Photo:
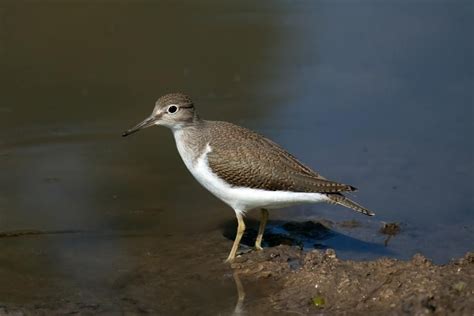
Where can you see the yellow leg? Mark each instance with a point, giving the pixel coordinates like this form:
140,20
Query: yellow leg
261,229
240,232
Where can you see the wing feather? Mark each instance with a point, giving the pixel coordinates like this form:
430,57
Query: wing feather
246,159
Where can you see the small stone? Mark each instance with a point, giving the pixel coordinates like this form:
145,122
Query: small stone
419,259
330,253
319,301
460,286
266,274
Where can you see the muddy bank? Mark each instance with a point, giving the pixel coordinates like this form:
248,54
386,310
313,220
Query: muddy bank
317,281
126,273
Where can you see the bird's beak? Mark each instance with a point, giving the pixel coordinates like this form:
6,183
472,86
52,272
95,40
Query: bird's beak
146,123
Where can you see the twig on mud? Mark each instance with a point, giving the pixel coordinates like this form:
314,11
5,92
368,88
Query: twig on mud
32,232
389,229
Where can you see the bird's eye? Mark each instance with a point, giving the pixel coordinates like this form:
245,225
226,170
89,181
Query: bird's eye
172,109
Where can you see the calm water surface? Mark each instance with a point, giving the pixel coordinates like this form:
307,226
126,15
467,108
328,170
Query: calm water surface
378,95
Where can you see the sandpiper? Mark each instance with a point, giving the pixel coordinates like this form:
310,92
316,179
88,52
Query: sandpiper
242,168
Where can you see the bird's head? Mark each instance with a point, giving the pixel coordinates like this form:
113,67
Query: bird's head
173,110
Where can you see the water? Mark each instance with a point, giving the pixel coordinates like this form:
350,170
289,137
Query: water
378,95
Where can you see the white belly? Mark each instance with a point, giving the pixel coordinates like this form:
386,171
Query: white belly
239,198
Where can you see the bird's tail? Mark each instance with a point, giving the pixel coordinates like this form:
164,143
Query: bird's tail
342,200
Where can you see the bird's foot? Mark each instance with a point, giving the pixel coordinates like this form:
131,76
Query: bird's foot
244,249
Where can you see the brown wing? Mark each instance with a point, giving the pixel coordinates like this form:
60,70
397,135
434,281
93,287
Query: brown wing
246,159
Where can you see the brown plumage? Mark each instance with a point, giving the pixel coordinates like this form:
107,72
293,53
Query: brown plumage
237,156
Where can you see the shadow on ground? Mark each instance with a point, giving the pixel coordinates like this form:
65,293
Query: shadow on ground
306,235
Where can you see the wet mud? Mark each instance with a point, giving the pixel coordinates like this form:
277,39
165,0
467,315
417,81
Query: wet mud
317,281
293,275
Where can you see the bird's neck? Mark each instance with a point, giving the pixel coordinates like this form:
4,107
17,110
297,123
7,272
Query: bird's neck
187,125
191,139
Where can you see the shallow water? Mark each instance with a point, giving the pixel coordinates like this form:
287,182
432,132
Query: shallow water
378,95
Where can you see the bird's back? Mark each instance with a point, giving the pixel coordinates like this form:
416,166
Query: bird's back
244,158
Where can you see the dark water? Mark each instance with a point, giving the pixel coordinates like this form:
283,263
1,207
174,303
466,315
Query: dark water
375,94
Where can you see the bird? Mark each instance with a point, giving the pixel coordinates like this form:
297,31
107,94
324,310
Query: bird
242,168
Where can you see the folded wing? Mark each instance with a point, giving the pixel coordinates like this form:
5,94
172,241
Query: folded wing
247,159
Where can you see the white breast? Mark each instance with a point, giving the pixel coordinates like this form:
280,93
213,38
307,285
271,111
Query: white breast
239,198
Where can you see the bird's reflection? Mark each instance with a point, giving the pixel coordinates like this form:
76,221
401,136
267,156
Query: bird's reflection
239,306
